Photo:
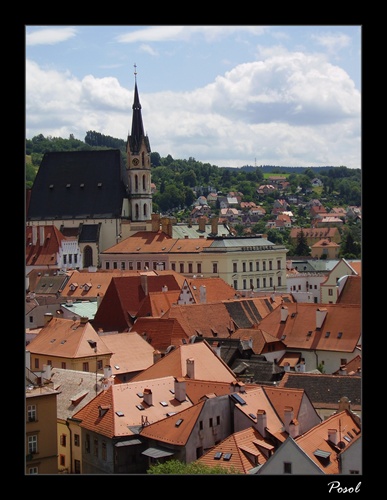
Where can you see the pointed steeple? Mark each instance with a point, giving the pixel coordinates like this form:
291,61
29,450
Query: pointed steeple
137,134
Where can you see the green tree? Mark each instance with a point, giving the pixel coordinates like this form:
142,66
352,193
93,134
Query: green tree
302,247
177,467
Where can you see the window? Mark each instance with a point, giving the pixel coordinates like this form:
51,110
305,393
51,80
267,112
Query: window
173,266
181,267
279,281
244,284
330,292
122,266
271,282
131,266
62,460
138,266
251,266
115,266
264,282
218,420
96,447
85,366
36,362
104,451
107,265
343,361
235,284
87,443
190,268
264,265
258,283
31,319
63,440
77,466
63,365
77,440
287,468
270,265
32,444
215,267
199,266
235,267
244,267
99,364
257,266
31,413
278,264
201,425
49,362
211,422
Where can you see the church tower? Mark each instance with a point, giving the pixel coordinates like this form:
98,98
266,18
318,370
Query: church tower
138,165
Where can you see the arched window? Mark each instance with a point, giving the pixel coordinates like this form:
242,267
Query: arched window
143,183
136,182
87,256
145,210
137,211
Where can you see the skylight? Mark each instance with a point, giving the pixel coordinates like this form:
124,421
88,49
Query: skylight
163,403
178,422
119,414
238,399
218,455
140,407
227,456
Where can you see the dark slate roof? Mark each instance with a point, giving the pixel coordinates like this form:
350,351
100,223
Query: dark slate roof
89,233
324,389
78,185
258,370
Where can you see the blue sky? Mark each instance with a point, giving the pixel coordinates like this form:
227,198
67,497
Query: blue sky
225,95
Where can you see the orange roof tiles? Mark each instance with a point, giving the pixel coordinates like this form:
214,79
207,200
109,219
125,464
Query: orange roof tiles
340,331
67,338
341,425
206,365
126,410
43,248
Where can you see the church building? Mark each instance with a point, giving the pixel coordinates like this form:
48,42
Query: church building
92,195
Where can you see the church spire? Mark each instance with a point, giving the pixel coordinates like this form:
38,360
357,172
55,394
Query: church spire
137,126
138,164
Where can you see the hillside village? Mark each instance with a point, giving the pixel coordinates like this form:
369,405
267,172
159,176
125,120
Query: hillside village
149,340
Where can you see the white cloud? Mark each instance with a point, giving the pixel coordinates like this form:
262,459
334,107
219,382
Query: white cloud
286,109
50,36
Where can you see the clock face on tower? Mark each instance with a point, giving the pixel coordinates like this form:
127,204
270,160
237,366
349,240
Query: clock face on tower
135,162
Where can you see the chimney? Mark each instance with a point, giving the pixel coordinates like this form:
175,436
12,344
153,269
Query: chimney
344,404
333,436
83,320
214,225
47,318
261,422
156,356
164,225
203,294
155,222
107,371
288,417
41,235
202,224
320,316
191,368
46,372
294,428
144,283
180,393
216,348
284,314
164,288
34,235
148,397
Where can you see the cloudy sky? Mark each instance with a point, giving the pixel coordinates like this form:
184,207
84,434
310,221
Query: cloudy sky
224,95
